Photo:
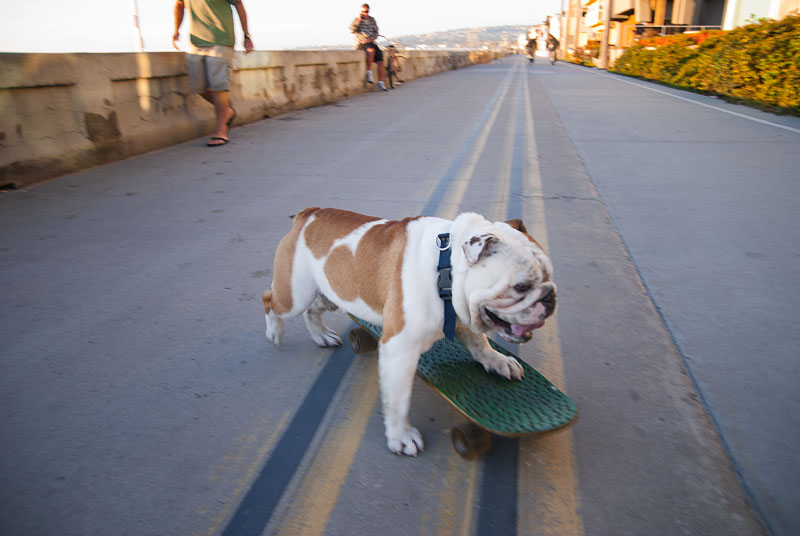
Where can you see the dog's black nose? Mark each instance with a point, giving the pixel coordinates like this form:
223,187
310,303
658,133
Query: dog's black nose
549,302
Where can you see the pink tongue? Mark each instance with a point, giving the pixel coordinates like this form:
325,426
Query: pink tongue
521,329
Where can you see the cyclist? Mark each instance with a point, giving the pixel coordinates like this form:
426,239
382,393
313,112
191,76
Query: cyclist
552,46
530,48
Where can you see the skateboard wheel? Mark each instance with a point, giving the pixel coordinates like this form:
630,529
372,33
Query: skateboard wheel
470,441
361,341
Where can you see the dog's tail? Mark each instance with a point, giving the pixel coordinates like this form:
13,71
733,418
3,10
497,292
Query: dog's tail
266,297
304,214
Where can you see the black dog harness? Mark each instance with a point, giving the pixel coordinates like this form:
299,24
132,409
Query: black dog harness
445,284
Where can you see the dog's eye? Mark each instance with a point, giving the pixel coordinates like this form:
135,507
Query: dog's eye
522,288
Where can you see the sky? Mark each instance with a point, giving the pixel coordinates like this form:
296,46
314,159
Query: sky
107,25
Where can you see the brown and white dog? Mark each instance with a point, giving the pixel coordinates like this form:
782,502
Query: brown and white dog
385,272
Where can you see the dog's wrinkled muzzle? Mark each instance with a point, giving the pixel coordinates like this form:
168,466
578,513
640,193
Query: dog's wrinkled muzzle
516,322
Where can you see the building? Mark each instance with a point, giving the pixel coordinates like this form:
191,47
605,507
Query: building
628,20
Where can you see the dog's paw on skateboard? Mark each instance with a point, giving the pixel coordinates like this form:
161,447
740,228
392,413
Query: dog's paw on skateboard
408,442
507,367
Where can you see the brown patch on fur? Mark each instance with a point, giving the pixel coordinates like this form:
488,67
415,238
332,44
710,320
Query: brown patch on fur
329,225
520,226
373,273
280,299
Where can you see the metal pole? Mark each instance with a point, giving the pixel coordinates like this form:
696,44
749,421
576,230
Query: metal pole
564,28
137,27
607,6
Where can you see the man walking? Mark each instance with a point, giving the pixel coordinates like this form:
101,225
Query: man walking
365,29
210,54
552,47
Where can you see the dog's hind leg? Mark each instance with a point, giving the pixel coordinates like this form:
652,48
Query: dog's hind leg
320,333
274,322
282,300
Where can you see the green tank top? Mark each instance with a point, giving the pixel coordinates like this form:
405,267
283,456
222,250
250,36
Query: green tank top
211,22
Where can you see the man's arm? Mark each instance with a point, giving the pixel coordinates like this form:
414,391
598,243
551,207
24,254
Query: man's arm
178,20
248,43
372,30
356,27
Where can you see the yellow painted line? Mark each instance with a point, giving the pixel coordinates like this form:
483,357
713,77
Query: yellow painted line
451,202
456,499
450,504
499,208
454,512
321,486
234,459
319,491
440,170
547,482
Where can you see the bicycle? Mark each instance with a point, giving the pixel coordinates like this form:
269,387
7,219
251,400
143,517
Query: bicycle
394,65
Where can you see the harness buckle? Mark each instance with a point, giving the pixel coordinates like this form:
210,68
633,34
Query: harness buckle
445,282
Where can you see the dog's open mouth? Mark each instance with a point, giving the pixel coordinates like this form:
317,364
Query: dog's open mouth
509,331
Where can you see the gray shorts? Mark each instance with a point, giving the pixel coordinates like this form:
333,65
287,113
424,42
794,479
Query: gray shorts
208,68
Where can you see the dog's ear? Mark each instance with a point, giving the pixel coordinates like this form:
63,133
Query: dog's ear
518,225
478,247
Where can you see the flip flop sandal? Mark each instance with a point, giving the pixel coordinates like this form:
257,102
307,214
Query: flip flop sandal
223,140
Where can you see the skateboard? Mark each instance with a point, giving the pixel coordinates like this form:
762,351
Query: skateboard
492,404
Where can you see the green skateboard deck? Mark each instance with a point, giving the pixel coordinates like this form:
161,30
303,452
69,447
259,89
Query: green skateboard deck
500,406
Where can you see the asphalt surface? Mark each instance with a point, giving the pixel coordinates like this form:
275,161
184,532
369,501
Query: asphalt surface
139,396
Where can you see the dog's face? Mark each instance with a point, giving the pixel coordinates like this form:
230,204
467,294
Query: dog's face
508,282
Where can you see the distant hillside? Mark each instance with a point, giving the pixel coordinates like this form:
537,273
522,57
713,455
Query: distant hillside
465,37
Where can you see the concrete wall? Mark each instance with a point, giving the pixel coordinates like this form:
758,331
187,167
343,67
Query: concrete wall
64,112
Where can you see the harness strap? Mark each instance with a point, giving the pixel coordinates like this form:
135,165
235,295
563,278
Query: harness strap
445,284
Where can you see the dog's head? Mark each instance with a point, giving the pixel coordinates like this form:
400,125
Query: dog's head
503,277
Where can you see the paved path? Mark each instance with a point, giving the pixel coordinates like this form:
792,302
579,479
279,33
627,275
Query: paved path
138,395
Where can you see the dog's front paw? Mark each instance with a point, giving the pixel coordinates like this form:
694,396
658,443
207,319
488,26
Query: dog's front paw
507,367
408,442
327,338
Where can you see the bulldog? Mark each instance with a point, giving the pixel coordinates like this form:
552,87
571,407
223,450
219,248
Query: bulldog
386,272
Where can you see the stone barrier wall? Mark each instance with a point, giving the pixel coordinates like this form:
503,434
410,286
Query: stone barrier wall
61,113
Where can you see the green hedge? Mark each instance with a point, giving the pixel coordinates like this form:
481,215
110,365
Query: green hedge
758,63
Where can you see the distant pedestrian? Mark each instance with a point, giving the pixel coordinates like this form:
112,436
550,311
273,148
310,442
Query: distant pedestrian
394,66
552,47
210,54
365,29
530,48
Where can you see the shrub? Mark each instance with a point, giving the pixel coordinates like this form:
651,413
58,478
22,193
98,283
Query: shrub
758,63
694,38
